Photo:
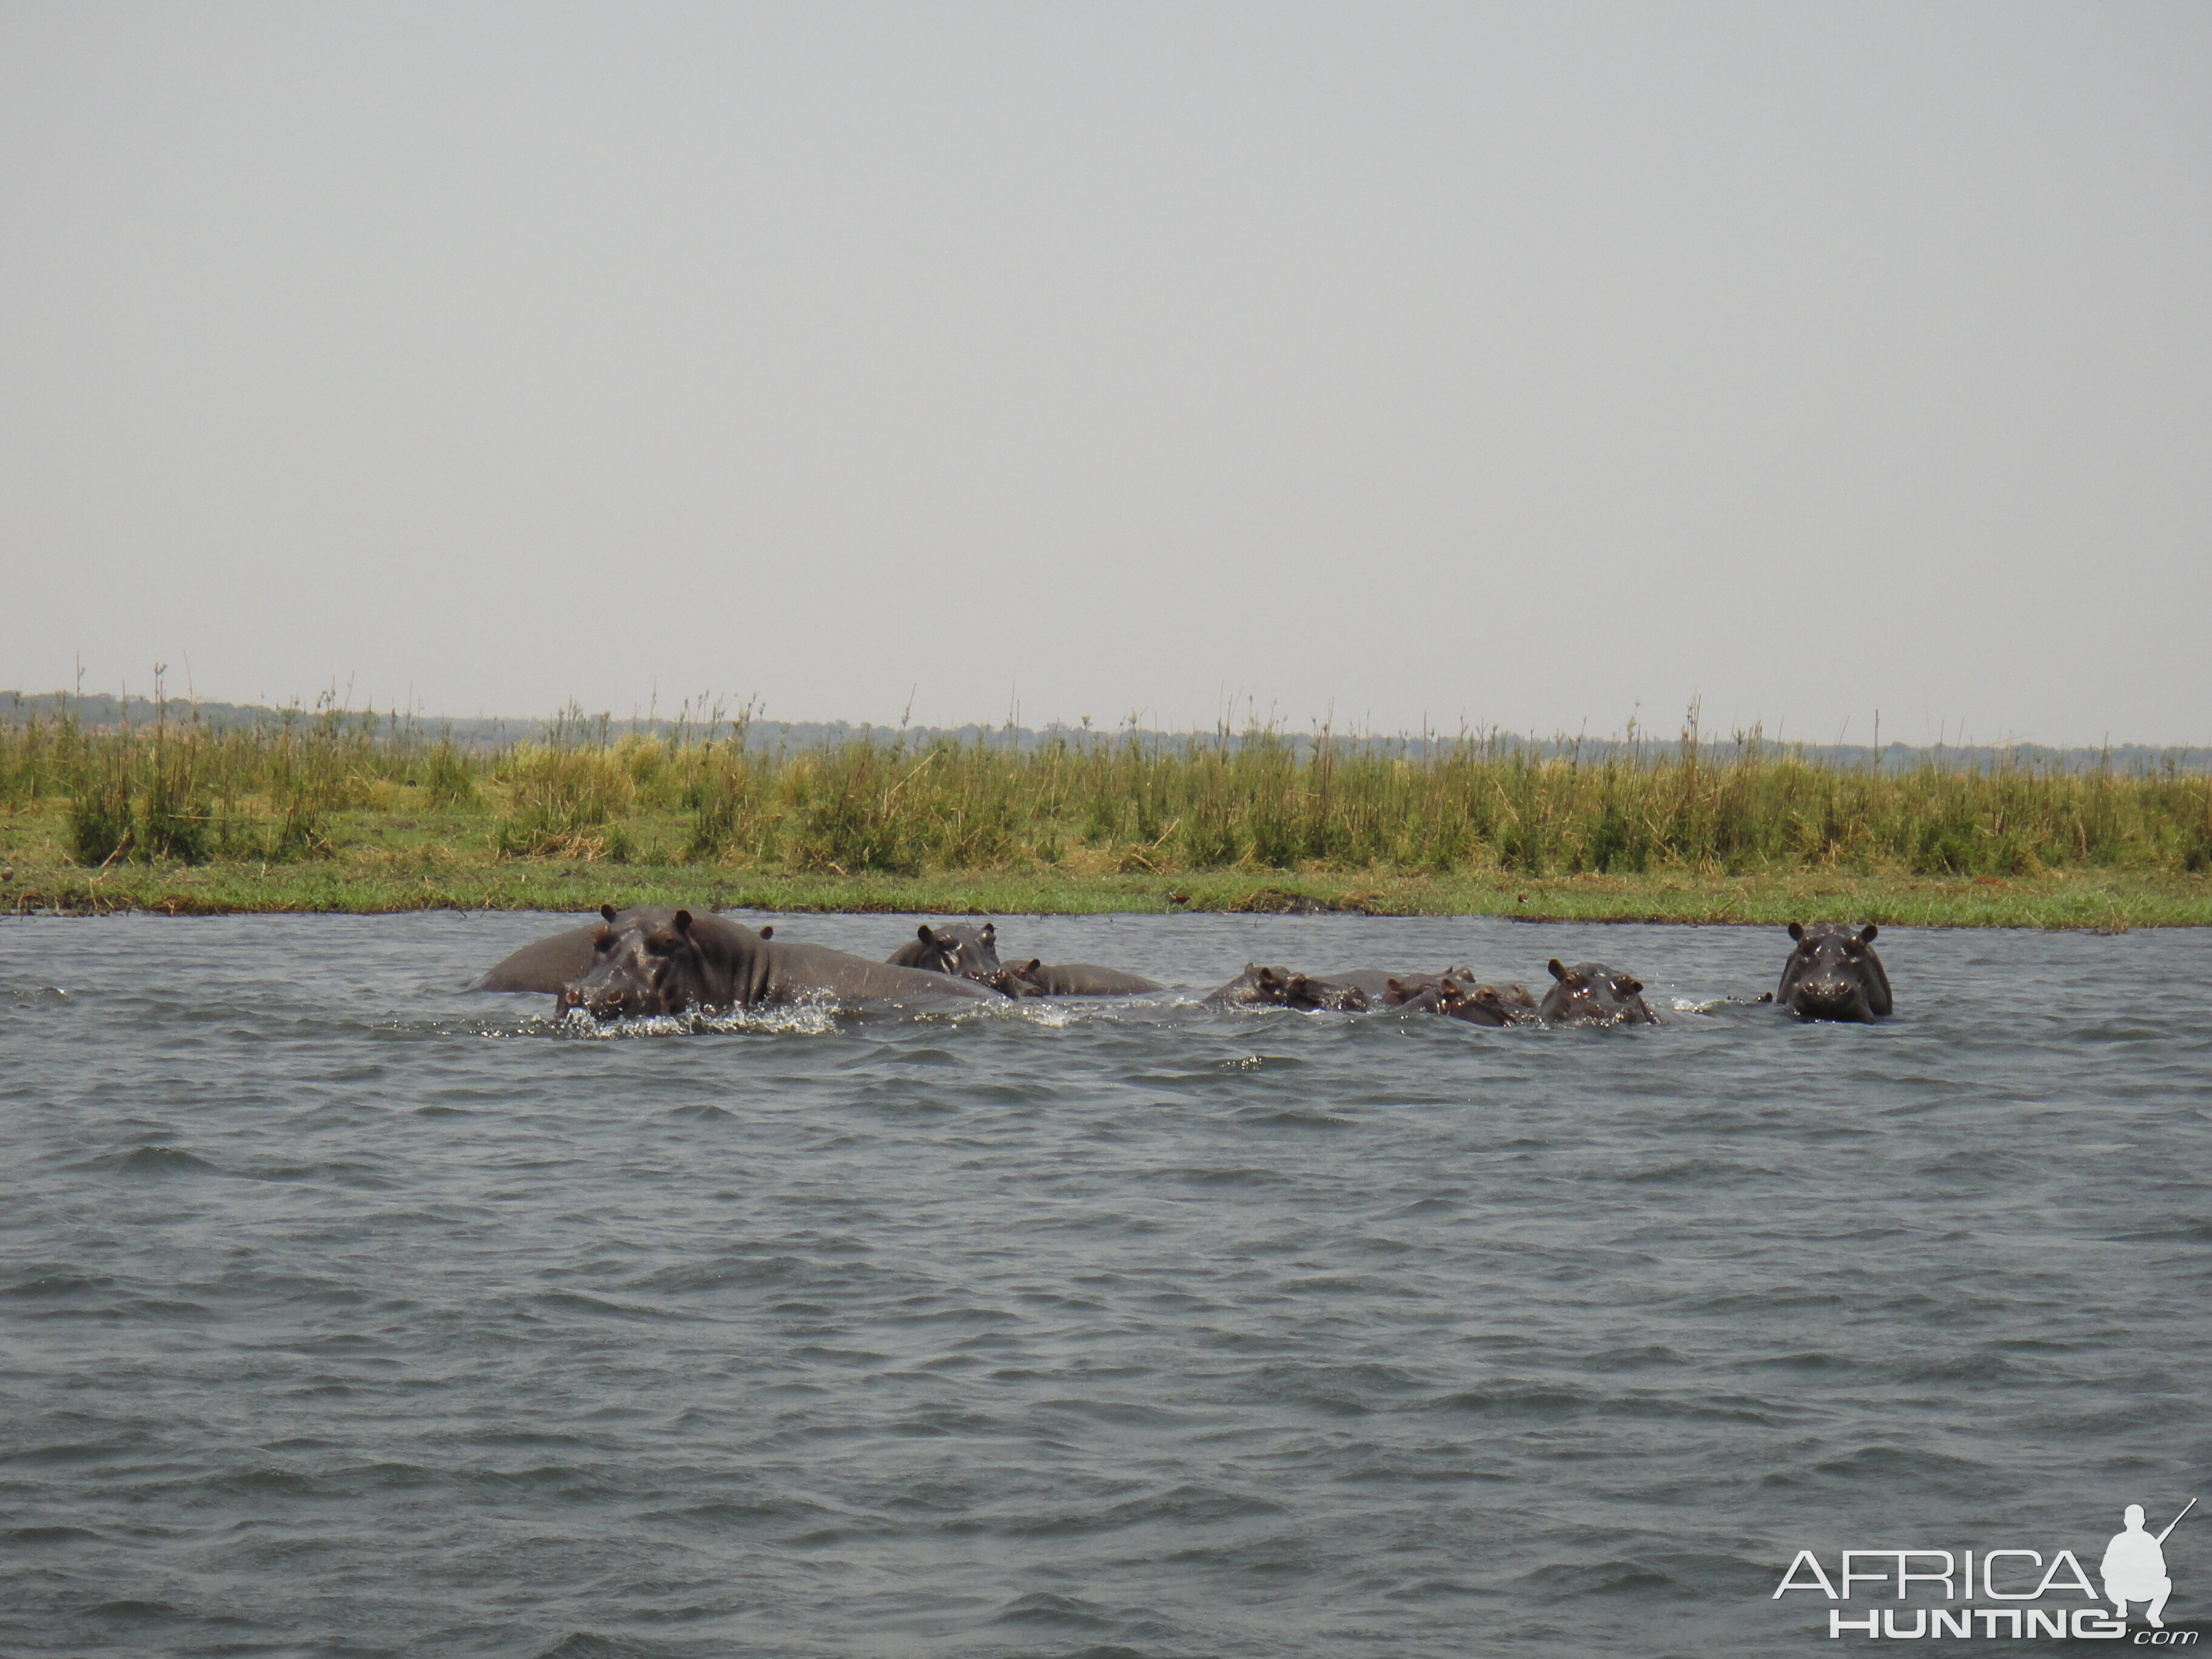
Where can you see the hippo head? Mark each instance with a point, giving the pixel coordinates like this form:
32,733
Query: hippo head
961,951
618,985
1310,991
1258,986
1434,994
1591,993
1833,974
1454,995
1422,994
1485,1005
643,962
681,977
1020,979
1263,986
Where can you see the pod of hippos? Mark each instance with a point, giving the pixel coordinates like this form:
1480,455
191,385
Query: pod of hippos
655,959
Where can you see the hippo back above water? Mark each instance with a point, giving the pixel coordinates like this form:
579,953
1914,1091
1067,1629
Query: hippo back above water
550,963
710,962
1039,978
655,959
1833,974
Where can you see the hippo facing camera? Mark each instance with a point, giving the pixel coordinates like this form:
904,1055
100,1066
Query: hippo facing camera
1834,974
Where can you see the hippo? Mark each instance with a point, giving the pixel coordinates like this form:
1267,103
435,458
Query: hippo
1591,993
1262,987
1010,981
1833,974
1257,987
1425,992
1377,983
958,949
1490,1005
1478,1005
651,961
1332,991
1074,979
550,964
1400,990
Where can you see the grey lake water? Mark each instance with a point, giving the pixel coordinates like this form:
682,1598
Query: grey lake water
344,1312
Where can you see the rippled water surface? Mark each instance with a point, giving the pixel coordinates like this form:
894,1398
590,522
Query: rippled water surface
344,1312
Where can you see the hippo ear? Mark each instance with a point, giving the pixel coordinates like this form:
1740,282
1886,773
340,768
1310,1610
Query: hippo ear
1867,933
608,911
683,921
1797,931
990,930
1034,963
923,934
769,931
1557,968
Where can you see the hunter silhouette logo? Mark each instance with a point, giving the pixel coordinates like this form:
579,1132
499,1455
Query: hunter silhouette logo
2133,1567
2024,1593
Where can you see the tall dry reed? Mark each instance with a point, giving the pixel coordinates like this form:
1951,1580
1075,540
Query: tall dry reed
884,802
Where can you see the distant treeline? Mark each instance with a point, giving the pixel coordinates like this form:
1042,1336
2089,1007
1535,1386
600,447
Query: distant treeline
707,722
290,784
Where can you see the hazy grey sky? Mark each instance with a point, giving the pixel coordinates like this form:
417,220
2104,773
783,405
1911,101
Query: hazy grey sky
1517,364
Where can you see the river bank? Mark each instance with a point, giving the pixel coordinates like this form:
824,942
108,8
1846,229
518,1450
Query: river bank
373,880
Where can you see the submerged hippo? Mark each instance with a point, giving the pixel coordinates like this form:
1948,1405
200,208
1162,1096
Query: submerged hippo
652,960
1495,1005
1038,978
1263,986
1419,991
1833,974
958,948
1403,990
1455,999
1591,993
